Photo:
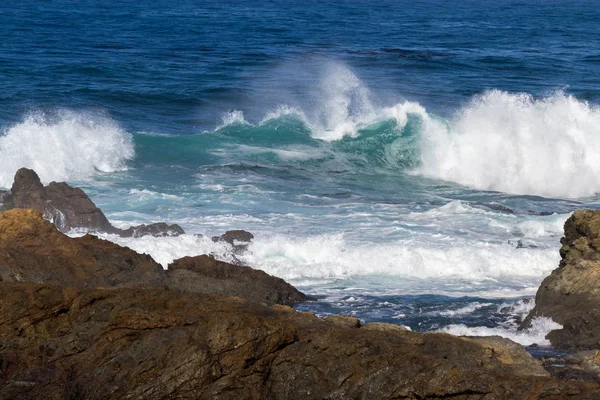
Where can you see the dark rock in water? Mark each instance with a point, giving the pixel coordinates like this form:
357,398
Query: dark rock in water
571,294
494,207
520,245
60,343
157,230
33,250
204,274
70,208
239,239
582,366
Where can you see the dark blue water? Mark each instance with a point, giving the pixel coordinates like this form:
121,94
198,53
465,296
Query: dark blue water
381,152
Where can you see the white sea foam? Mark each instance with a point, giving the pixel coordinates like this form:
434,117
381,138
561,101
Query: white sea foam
517,144
167,249
65,146
328,256
540,327
235,117
323,257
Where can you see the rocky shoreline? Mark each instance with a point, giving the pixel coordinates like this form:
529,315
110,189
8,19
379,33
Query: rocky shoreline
86,318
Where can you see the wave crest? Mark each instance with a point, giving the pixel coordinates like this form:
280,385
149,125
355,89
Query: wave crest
64,146
516,144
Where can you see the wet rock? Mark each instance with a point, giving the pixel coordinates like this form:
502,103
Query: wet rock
239,239
159,229
582,366
33,250
204,274
62,343
70,208
571,294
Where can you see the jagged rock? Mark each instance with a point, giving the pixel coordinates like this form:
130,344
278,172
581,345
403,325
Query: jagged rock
60,343
239,239
33,250
70,208
571,294
204,274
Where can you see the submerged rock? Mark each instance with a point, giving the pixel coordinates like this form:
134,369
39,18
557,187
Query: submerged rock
571,294
70,208
159,229
204,274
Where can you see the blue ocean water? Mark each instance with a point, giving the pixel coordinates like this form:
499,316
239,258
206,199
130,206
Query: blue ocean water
409,162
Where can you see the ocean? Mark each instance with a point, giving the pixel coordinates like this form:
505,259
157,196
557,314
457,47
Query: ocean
411,162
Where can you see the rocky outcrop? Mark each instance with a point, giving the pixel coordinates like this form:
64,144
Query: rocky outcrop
204,274
33,250
70,208
86,319
62,343
571,294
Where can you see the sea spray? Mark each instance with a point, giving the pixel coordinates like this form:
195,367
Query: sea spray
64,146
515,143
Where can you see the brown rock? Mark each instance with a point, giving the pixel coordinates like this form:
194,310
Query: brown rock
33,250
571,294
154,344
344,321
70,208
204,274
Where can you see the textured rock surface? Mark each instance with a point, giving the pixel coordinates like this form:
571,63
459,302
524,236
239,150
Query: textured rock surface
69,208
62,338
581,366
204,274
571,294
33,250
59,343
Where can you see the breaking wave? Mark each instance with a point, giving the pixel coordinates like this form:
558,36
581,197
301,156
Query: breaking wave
64,146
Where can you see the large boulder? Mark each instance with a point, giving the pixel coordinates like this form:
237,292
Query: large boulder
59,343
205,274
571,294
70,208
